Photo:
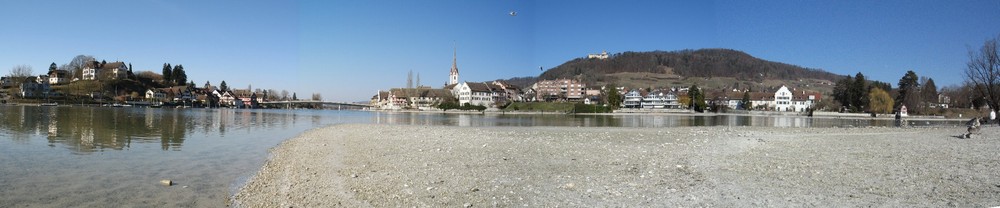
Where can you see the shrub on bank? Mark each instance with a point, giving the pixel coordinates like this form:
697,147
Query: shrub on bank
540,106
449,105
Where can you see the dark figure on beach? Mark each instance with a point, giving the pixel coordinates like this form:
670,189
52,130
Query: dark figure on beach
973,127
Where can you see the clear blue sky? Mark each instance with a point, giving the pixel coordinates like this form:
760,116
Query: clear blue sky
347,50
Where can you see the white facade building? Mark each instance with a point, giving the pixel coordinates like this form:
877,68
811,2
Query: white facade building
602,55
660,100
633,99
58,77
783,99
89,73
116,70
481,94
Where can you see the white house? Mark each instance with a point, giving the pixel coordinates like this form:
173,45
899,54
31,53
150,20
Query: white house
783,99
58,77
156,95
660,100
89,73
633,99
482,94
513,92
116,70
226,98
786,100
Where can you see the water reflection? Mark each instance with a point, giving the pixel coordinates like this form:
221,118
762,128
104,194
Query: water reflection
86,129
633,120
89,129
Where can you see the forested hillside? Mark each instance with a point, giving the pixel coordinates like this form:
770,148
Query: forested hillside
686,63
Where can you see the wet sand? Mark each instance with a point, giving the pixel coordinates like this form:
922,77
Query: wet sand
364,165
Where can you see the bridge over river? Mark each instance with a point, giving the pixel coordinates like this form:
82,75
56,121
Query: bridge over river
331,104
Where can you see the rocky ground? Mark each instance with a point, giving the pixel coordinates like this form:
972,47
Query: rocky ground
362,165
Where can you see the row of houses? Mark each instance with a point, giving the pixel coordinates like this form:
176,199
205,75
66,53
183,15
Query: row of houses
208,97
782,99
40,85
35,87
30,87
423,98
497,93
489,94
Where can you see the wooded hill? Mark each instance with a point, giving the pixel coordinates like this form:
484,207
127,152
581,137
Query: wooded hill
687,63
714,65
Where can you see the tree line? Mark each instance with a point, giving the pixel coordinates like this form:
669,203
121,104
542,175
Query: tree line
858,94
918,94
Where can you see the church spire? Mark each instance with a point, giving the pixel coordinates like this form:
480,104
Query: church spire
453,76
454,62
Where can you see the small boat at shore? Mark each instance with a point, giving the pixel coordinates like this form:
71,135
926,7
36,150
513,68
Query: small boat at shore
49,104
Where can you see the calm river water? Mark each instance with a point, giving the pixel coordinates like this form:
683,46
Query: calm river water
99,157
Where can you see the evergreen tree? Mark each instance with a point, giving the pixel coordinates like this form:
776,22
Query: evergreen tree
614,99
53,67
908,91
693,94
167,78
929,91
841,91
859,92
294,96
881,85
223,87
178,75
745,102
697,98
208,84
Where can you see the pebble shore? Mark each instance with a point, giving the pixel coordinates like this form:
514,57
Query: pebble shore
368,165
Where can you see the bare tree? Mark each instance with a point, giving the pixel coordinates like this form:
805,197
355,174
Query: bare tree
317,97
19,75
984,72
20,71
273,94
76,65
284,94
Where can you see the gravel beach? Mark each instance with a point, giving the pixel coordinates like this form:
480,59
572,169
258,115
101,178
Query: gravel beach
367,165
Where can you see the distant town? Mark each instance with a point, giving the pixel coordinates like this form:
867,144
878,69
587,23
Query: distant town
852,94
87,81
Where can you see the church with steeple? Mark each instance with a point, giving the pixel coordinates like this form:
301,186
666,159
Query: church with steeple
453,76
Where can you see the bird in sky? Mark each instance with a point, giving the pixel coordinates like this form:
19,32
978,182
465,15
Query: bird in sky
513,13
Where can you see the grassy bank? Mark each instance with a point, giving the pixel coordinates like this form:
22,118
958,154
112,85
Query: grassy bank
557,107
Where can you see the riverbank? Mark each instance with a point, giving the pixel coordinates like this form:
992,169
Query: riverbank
363,165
